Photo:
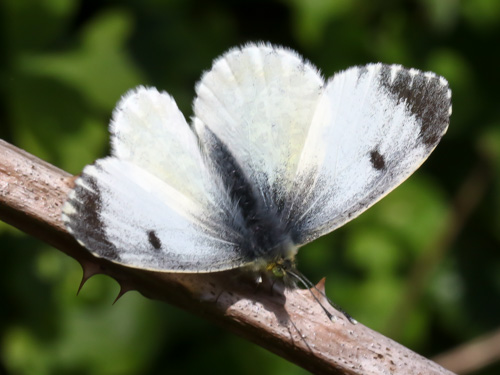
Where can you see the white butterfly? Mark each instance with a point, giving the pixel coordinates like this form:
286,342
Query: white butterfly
274,158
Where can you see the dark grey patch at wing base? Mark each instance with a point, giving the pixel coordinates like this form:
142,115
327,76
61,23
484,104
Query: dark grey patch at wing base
260,225
154,240
233,178
86,223
426,97
377,160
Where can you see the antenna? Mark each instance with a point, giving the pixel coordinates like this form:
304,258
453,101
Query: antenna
309,285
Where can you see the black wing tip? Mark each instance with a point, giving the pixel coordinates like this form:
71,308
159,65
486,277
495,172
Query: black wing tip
426,95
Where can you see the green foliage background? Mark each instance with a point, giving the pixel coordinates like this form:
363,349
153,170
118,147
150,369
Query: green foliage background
63,66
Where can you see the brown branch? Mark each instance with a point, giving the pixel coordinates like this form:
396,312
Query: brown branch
474,355
291,325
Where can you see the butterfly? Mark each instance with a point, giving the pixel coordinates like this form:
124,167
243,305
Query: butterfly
275,156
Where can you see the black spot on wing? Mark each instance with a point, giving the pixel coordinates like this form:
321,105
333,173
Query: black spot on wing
426,96
153,239
86,223
377,160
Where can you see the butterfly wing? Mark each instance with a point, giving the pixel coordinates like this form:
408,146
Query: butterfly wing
372,128
258,101
153,204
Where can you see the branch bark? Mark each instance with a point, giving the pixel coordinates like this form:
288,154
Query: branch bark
474,355
290,324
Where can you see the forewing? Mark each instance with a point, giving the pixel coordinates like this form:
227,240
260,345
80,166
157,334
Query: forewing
259,101
373,127
153,205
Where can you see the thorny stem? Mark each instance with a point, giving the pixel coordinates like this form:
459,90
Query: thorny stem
31,195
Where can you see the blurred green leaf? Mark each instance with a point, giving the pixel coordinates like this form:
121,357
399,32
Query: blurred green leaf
412,216
98,68
32,25
482,14
312,17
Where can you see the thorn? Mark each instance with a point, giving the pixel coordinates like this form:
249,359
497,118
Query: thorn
123,289
70,181
84,280
89,270
321,285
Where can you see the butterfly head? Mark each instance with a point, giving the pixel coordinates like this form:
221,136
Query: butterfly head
280,267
